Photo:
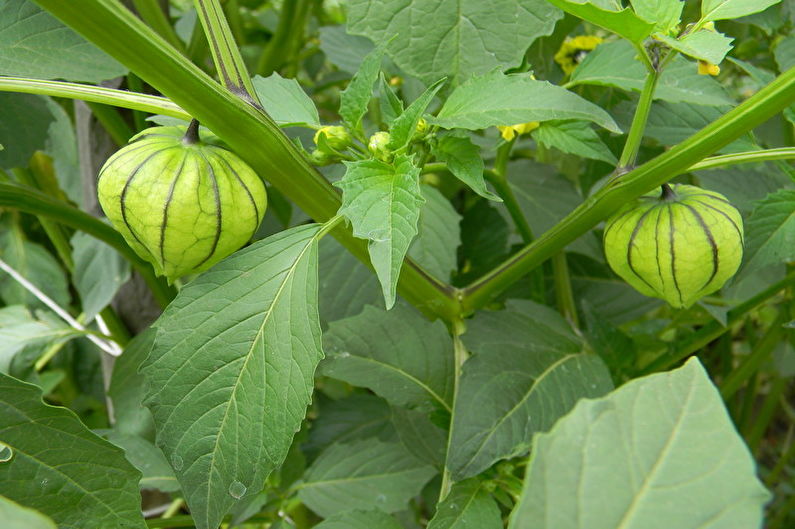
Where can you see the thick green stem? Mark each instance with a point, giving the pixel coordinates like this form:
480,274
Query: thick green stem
152,13
764,104
630,153
460,356
563,291
763,155
248,131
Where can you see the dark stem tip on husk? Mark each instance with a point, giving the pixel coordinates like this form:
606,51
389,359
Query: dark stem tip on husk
667,193
192,134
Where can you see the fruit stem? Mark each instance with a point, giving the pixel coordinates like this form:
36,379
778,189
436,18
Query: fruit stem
192,134
667,193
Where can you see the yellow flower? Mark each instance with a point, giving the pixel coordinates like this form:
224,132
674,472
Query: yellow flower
573,51
707,68
509,132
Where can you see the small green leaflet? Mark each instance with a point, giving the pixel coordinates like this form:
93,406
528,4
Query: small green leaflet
770,232
285,101
231,370
15,516
391,105
62,469
467,506
498,99
726,9
402,129
574,137
98,274
624,22
665,14
710,46
659,452
382,202
354,99
464,161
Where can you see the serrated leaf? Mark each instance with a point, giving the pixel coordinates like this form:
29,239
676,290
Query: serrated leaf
402,128
382,201
614,64
229,388
98,274
527,370
574,137
60,468
710,46
285,101
127,388
467,505
346,285
665,14
464,161
657,453
425,440
399,355
148,459
391,105
623,22
770,232
34,43
15,516
360,519
354,99
726,9
436,246
498,99
363,474
459,39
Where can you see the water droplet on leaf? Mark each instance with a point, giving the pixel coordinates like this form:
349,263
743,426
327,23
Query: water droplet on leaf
237,489
6,453
176,462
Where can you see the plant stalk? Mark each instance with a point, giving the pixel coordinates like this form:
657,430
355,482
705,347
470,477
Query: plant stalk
632,146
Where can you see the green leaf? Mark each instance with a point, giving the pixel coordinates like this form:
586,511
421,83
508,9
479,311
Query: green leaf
399,355
745,185
127,388
425,440
36,265
436,246
15,516
285,101
785,53
382,202
146,457
354,99
24,127
657,453
726,9
99,273
61,146
391,105
614,64
402,129
467,505
346,285
34,43
228,389
60,468
464,161
710,46
527,370
622,22
342,49
363,474
499,99
574,137
19,329
437,38
665,14
359,519
770,232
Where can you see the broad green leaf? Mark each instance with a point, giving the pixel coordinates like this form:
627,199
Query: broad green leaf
24,126
468,505
402,129
15,516
665,14
436,246
285,101
363,474
19,329
36,265
726,9
614,64
127,388
60,468
484,240
744,185
382,201
710,46
34,43
360,519
229,388
657,453
146,457
345,51
464,161
785,53
770,232
454,38
354,99
99,273
499,99
527,369
61,146
623,22
574,137
346,285
391,105
399,355
425,440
